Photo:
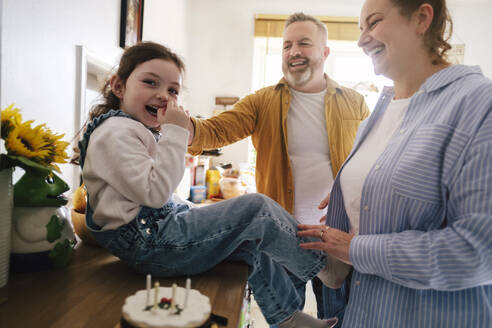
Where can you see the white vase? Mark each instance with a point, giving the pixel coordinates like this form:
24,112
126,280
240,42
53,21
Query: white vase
6,205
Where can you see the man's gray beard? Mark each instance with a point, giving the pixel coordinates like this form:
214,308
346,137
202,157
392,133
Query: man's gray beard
299,80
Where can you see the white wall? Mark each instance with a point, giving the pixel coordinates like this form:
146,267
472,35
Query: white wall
165,23
473,27
38,58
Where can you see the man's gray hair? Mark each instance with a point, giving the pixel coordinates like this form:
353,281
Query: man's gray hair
302,17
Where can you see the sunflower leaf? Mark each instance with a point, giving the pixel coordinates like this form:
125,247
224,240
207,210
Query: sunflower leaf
7,161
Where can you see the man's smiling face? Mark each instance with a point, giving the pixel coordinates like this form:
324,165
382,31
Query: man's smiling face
303,53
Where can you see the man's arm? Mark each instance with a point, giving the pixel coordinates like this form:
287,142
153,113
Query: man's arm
191,130
226,128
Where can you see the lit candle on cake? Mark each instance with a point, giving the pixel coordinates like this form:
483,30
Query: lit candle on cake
156,295
147,288
187,292
173,298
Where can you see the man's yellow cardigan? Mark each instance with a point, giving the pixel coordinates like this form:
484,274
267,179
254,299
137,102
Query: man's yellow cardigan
263,116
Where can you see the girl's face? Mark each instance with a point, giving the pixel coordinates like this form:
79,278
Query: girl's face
390,39
149,88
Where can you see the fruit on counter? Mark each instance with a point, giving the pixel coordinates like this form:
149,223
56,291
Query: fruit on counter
79,199
79,202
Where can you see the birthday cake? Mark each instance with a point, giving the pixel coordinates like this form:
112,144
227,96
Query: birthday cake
188,309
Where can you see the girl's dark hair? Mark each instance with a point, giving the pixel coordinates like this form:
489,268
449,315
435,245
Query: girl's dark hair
436,37
131,58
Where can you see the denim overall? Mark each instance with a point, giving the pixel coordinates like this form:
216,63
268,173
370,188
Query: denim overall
175,240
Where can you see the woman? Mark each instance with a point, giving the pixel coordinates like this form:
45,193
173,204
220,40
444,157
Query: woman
411,208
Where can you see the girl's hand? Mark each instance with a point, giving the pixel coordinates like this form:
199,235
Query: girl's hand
174,114
332,241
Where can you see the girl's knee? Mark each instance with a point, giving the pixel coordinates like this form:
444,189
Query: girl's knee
257,197
257,200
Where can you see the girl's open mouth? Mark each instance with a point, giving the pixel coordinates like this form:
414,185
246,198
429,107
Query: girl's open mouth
152,110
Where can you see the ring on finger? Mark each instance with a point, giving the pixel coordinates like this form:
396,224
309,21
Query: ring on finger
322,231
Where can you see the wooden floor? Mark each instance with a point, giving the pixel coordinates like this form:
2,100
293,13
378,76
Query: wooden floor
91,291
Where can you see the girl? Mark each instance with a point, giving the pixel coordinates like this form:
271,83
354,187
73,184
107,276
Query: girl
131,168
416,190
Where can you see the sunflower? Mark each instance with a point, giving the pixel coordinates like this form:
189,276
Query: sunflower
24,141
56,148
10,118
37,144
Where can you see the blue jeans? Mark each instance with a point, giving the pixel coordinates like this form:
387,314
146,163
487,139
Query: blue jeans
176,240
335,299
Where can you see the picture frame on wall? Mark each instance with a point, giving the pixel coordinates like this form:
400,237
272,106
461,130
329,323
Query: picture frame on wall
131,23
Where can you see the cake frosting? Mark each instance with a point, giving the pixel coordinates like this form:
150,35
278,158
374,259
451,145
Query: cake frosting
138,313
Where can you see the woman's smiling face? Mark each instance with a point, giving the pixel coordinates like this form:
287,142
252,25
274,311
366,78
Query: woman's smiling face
389,38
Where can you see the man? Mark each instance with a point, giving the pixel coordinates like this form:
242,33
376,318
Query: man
302,129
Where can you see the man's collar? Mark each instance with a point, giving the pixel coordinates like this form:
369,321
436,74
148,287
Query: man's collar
331,86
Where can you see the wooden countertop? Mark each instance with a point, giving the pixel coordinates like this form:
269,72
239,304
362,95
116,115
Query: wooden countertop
91,291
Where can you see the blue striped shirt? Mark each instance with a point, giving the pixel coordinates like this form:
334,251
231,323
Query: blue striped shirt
423,257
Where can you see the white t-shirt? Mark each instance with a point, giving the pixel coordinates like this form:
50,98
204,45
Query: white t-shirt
309,154
357,168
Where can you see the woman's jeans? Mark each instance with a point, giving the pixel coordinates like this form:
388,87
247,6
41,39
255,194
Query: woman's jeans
176,240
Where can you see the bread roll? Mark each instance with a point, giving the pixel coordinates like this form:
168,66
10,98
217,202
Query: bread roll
79,199
79,202
78,221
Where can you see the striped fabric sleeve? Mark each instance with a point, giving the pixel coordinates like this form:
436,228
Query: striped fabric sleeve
368,254
455,257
